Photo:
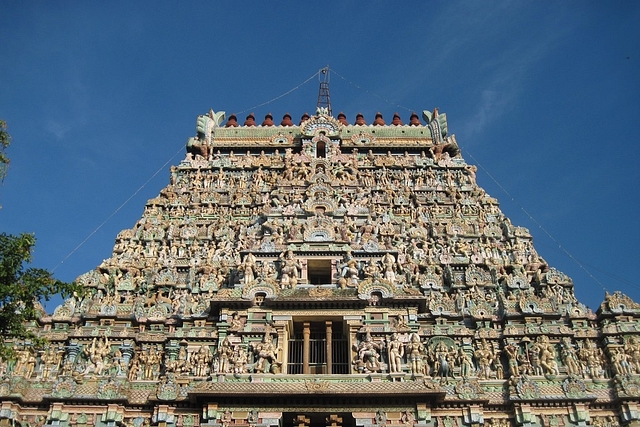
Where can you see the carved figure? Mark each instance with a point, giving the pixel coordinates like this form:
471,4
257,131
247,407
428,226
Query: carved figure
485,357
512,355
267,356
350,274
248,267
443,358
368,356
395,353
389,268
569,357
201,361
225,355
290,268
96,353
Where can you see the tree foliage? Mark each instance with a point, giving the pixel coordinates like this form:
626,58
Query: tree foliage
5,140
21,290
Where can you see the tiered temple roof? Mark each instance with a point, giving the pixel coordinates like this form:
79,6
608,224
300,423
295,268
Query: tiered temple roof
328,274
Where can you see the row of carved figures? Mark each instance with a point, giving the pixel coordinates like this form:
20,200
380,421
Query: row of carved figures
227,418
337,173
441,357
422,222
408,267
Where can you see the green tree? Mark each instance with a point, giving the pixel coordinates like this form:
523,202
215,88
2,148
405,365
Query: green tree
5,140
21,287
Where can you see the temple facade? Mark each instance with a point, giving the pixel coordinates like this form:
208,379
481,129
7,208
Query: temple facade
326,274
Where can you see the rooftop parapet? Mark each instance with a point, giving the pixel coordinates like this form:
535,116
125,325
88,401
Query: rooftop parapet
211,131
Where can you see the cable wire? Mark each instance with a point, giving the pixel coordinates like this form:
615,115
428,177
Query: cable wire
281,96
117,210
369,92
166,163
544,230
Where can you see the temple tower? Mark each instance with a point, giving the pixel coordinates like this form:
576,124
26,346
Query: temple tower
326,274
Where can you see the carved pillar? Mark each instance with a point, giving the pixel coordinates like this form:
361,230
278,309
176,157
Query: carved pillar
579,414
284,334
334,268
9,412
630,414
473,416
58,414
114,415
127,352
329,327
304,272
164,416
210,413
423,412
354,325
306,346
526,418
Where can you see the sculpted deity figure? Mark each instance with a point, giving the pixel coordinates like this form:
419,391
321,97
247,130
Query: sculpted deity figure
201,360
239,361
512,355
569,357
248,267
25,363
371,270
350,274
290,268
267,354
389,268
466,364
236,323
485,357
225,354
414,352
632,348
226,418
591,357
395,352
51,360
443,358
97,353
368,230
548,356
150,361
135,368
620,361
368,356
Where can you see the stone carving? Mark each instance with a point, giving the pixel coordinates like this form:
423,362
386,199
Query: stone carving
367,355
381,241
395,354
267,354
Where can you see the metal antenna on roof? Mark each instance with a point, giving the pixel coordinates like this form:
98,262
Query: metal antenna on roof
324,99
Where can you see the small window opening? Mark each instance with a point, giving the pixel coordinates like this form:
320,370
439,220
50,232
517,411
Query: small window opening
321,149
319,271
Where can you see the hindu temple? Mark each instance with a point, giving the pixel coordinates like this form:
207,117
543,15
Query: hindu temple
327,272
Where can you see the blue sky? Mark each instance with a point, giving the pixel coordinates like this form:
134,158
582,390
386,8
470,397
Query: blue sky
544,96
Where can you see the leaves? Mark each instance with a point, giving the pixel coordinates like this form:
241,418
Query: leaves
5,140
22,289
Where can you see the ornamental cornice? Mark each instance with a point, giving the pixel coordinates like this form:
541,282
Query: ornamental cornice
308,386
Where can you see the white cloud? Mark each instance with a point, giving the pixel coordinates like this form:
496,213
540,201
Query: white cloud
57,129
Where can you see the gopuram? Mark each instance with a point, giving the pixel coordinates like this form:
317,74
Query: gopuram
326,274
